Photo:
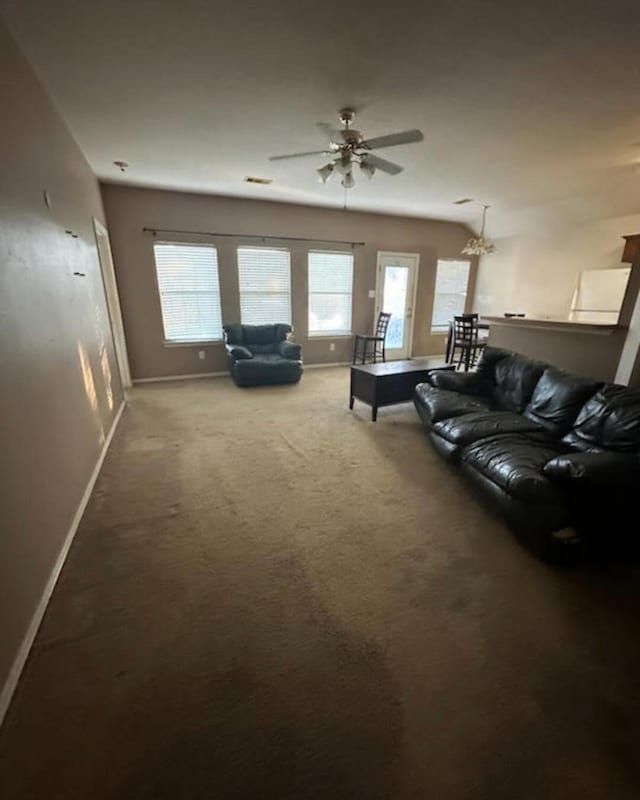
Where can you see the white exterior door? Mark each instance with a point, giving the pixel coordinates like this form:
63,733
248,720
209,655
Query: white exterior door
396,294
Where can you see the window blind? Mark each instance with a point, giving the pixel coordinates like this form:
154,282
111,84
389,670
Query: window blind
189,291
452,280
330,293
264,277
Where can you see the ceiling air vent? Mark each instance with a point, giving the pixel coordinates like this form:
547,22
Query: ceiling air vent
462,201
261,181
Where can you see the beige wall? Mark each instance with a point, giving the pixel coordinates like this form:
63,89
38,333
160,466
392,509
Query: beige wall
536,272
59,390
130,209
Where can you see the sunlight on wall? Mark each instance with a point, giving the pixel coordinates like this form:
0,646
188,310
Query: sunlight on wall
87,374
90,386
106,374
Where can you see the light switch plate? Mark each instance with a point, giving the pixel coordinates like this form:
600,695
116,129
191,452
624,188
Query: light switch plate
372,294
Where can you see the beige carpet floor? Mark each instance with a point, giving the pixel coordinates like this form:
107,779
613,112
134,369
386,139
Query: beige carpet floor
272,597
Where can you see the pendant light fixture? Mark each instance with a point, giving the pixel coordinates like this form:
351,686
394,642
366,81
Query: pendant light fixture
478,245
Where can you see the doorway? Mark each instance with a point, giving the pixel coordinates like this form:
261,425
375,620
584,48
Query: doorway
396,282
113,301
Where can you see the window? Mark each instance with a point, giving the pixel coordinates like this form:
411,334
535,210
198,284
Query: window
189,291
330,287
452,279
264,275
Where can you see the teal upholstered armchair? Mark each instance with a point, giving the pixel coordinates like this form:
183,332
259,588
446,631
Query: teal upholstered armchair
262,354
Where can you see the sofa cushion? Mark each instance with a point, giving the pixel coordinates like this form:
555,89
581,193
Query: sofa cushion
604,469
610,420
515,379
515,463
490,358
442,404
463,382
469,428
557,400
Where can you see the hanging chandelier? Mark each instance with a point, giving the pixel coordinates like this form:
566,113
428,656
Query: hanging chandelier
478,245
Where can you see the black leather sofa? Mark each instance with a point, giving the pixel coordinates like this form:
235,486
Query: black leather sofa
558,455
261,354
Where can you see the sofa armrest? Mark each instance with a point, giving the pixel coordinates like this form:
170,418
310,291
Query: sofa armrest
290,350
238,352
594,468
464,382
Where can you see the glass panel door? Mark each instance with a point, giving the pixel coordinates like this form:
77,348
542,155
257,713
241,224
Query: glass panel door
395,296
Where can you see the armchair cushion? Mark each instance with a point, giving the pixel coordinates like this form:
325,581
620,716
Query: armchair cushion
265,369
238,351
233,333
290,350
262,335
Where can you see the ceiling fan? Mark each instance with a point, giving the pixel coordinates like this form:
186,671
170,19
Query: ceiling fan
348,147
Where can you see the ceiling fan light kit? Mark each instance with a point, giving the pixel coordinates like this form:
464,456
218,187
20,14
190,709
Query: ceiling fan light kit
348,147
348,181
480,245
368,169
325,172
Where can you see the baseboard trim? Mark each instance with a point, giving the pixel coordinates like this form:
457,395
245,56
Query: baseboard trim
23,653
332,364
163,378
193,375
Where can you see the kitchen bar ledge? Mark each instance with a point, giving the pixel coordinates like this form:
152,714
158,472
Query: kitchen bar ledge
582,348
541,323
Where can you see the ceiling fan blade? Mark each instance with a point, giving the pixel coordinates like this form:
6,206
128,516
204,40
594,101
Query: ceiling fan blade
404,137
302,155
384,166
329,131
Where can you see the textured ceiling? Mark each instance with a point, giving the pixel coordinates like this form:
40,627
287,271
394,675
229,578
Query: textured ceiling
532,108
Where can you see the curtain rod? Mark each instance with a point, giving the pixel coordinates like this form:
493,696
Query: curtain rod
154,231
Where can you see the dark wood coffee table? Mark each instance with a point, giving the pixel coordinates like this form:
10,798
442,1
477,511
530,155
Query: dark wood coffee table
391,381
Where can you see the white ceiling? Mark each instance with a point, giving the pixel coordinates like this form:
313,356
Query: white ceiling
533,108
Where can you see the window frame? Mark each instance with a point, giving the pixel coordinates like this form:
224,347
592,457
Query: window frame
186,342
442,330
327,334
290,293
